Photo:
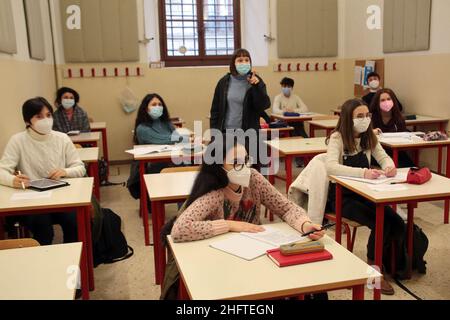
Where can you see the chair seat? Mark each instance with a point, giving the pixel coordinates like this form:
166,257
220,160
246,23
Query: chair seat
351,223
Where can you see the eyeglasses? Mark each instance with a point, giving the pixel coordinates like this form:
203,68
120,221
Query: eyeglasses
362,116
239,166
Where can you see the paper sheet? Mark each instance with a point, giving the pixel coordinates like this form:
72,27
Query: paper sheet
243,247
275,237
140,151
21,196
400,177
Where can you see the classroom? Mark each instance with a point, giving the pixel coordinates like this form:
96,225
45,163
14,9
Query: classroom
225,150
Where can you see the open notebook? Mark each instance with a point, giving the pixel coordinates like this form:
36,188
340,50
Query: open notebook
250,246
400,177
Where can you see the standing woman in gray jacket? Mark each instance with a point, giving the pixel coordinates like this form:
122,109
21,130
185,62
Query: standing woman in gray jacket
240,96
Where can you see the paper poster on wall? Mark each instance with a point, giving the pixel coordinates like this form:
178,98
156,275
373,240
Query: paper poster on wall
358,75
370,67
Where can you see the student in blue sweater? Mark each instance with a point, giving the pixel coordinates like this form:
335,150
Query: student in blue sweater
153,125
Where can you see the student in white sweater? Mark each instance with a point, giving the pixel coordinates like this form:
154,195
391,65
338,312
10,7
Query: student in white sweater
287,101
40,153
350,149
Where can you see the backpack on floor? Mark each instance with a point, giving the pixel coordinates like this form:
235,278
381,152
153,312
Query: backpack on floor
420,247
109,243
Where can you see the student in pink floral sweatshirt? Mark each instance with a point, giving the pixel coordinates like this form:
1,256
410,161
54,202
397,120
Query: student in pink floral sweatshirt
227,198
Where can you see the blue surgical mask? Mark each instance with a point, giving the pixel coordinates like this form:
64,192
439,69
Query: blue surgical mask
68,103
287,91
156,112
243,68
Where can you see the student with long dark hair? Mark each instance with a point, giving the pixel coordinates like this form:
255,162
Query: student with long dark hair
227,197
387,117
153,125
38,153
350,149
69,116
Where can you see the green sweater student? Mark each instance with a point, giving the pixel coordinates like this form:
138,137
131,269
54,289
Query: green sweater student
153,124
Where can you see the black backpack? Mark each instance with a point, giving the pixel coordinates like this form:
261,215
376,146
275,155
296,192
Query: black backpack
109,243
420,247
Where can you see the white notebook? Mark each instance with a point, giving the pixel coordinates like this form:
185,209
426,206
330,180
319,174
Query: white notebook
250,246
400,177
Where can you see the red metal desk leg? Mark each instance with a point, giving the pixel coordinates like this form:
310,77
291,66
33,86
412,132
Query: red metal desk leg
105,148
410,230
144,207
395,156
90,257
358,293
338,212
156,242
94,172
447,202
379,244
84,268
161,249
312,130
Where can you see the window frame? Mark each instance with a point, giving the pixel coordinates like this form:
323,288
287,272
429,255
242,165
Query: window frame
202,59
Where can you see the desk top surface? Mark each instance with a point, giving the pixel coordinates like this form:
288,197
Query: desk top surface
216,275
437,187
78,194
39,273
298,146
170,186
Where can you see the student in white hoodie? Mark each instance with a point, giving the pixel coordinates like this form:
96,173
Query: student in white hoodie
36,153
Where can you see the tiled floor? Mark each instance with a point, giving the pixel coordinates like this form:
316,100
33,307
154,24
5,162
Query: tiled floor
134,278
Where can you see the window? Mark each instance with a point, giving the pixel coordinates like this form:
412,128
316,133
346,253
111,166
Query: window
199,32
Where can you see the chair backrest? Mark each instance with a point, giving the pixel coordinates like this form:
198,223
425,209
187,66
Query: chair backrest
18,244
181,169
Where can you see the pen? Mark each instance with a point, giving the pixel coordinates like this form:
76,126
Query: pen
21,182
325,227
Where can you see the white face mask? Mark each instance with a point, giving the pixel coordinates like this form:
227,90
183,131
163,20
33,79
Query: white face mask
374,85
241,178
361,125
68,103
44,126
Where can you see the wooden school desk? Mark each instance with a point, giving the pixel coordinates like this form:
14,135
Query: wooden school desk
427,121
416,144
39,273
164,157
210,274
327,125
172,188
87,138
73,198
301,118
282,132
436,189
101,127
291,148
90,157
